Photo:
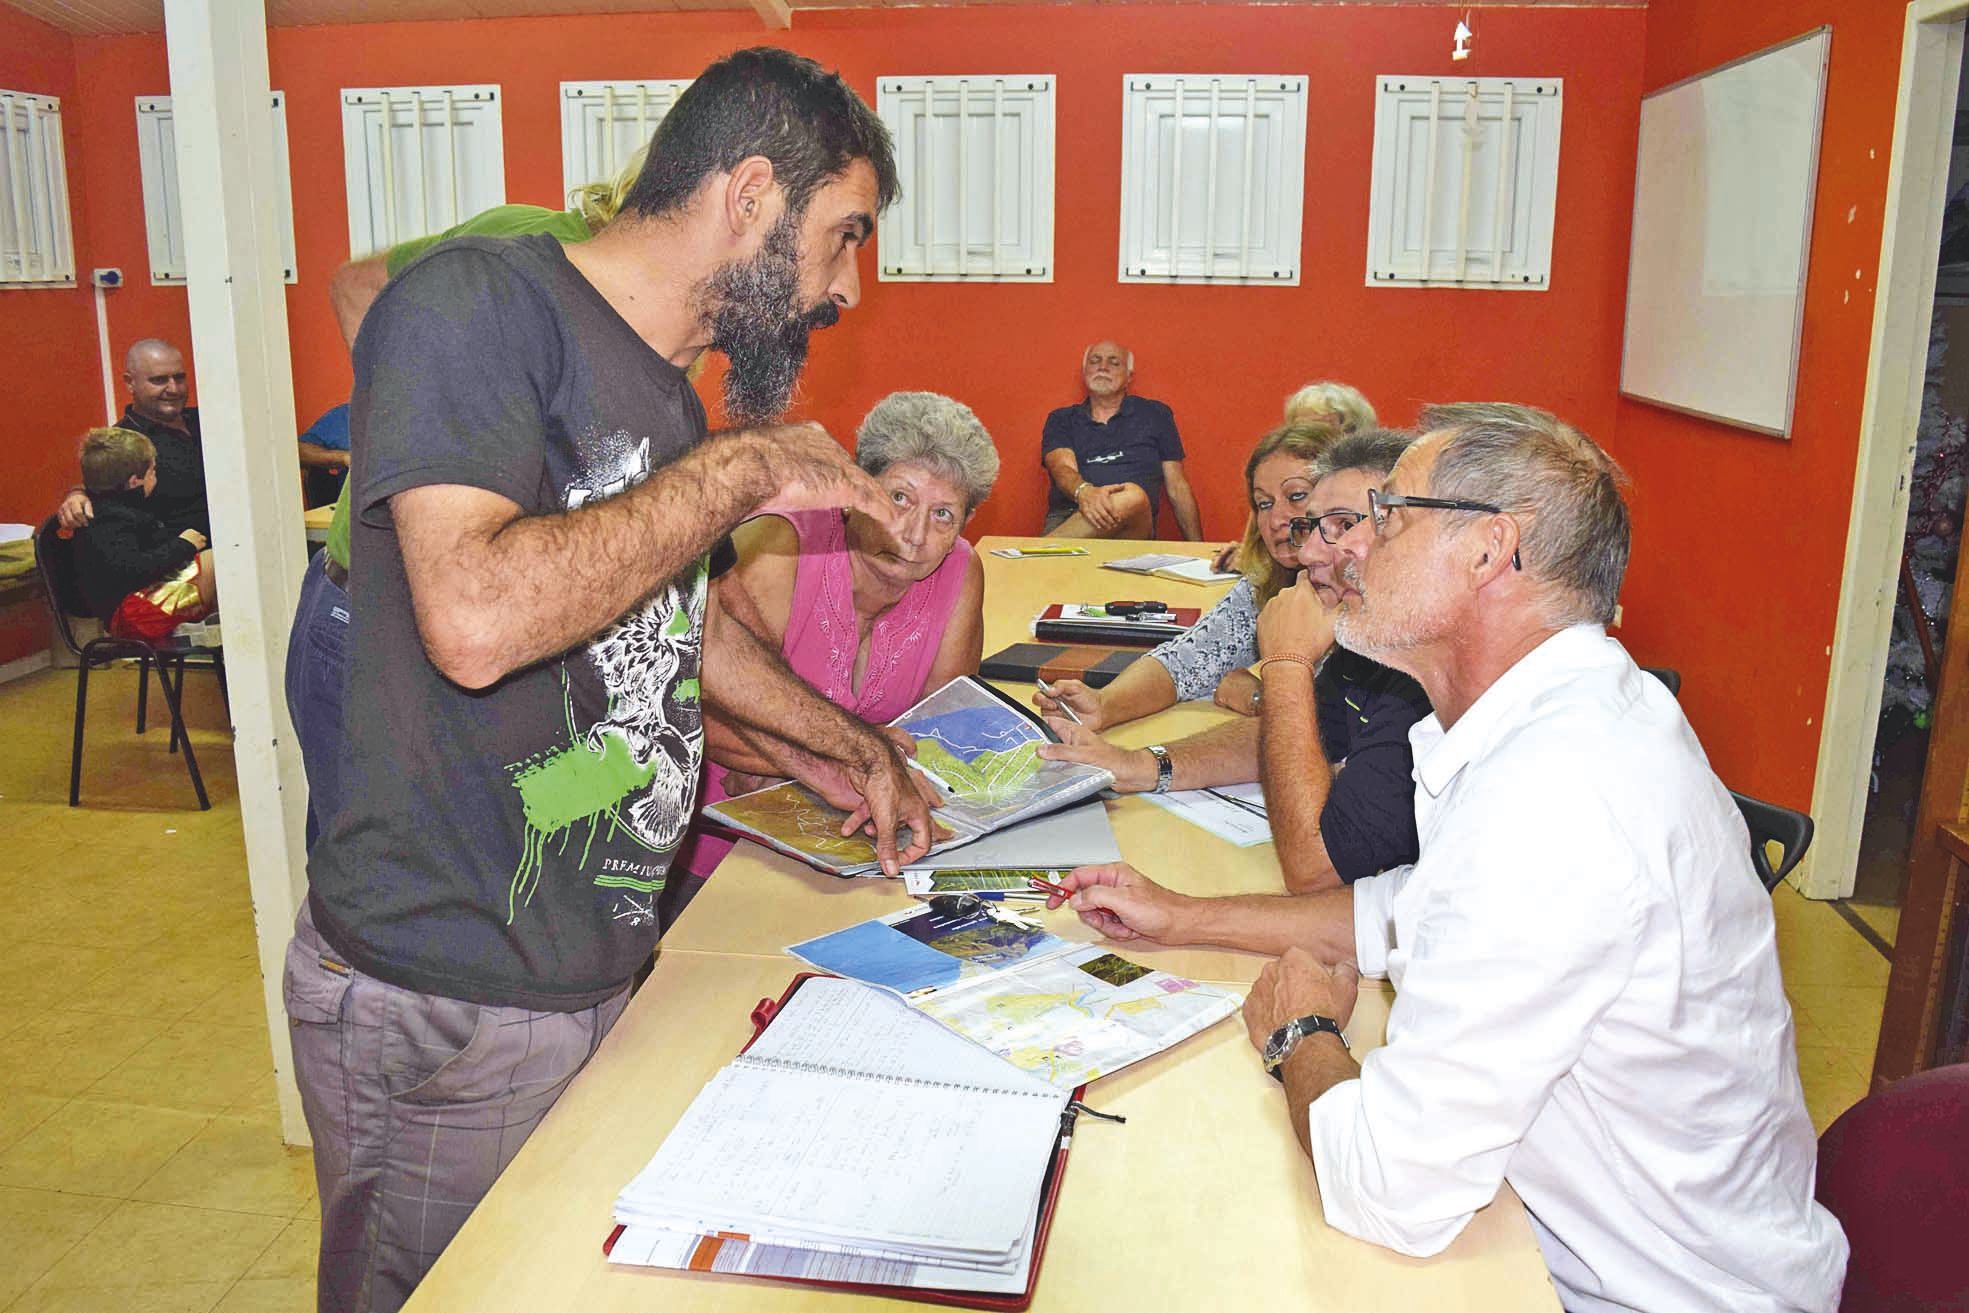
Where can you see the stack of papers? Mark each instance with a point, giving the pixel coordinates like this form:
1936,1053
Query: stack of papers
1188,569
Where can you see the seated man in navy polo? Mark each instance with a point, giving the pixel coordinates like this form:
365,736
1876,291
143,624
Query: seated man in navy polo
154,373
1111,457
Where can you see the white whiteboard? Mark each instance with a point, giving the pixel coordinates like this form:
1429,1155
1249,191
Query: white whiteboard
1723,192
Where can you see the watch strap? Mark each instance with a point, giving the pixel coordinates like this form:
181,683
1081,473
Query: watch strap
1165,769
1286,1038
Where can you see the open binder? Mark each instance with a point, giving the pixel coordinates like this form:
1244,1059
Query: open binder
849,1267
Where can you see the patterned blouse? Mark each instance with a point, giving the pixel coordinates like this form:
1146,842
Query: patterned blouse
1225,639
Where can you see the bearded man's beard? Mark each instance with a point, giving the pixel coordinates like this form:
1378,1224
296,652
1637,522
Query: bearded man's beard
757,322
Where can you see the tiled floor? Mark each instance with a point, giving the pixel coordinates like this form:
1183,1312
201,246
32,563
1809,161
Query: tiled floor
141,1167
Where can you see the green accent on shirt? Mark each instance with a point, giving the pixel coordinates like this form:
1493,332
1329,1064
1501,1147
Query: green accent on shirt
499,221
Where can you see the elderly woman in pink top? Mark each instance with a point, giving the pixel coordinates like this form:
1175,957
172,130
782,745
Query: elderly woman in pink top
873,625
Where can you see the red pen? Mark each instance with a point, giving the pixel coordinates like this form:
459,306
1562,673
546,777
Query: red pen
1047,886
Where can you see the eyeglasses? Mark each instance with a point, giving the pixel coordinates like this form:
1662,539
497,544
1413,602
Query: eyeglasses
1332,526
1380,503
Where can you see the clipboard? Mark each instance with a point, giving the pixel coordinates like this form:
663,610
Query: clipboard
1049,1196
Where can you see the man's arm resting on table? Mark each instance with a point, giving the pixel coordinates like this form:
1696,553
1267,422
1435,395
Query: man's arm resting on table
1223,754
1319,1063
1296,774
315,457
1182,500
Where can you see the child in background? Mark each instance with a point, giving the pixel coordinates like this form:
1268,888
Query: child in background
139,578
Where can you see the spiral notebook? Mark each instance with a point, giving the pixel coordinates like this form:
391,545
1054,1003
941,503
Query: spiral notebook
855,1143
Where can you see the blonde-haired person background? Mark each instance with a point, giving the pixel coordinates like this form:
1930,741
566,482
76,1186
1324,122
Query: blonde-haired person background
1323,404
1335,404
1210,660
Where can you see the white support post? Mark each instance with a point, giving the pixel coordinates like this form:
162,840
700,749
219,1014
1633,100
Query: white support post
234,273
774,13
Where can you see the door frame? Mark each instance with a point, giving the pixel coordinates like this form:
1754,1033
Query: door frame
1910,238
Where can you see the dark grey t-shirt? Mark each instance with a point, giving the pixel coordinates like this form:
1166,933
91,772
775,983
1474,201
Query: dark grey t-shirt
507,845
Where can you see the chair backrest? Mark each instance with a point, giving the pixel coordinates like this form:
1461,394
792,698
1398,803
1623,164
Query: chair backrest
54,558
1672,678
1894,1169
1770,823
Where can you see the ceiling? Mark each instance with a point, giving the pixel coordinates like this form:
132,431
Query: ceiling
108,17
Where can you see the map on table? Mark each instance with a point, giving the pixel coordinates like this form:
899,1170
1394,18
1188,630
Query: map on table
1067,1012
983,747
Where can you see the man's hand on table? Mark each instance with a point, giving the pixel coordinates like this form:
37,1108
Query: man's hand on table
887,796
1299,985
1086,702
1122,903
1133,768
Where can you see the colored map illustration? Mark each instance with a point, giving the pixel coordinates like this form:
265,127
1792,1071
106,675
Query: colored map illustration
988,753
792,818
1068,1025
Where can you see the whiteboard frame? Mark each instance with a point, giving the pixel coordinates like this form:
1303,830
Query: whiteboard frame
1805,245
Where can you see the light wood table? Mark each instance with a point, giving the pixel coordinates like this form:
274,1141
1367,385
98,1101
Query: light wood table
1203,1201
315,521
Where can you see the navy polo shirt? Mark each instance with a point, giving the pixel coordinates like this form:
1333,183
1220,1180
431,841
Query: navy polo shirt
1365,711
1129,448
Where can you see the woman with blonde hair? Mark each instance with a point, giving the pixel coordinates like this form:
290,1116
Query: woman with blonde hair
1209,661
1333,404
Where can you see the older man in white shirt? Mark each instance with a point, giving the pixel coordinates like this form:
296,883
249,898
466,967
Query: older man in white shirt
1588,1002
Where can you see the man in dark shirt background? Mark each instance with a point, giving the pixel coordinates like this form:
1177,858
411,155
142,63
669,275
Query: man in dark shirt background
1111,457
154,373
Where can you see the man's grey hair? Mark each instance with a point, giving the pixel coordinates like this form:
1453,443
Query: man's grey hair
1564,492
934,430
1338,404
141,345
1372,450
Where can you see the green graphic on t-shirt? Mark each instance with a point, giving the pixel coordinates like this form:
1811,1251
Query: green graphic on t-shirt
575,784
632,774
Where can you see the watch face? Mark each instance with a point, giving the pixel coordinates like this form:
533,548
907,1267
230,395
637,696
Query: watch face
1280,1044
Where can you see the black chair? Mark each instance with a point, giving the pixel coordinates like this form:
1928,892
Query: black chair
54,557
1770,823
1672,678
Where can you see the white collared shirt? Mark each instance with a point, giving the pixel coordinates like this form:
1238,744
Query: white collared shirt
1588,1005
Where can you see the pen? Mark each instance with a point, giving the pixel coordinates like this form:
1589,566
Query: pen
1048,886
929,774
1047,689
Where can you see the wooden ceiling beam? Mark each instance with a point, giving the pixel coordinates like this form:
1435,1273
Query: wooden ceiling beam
774,13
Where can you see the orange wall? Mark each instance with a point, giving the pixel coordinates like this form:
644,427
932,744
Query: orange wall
1223,357
1740,539
47,335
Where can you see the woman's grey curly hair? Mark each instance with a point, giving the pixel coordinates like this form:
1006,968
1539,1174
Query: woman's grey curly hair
934,430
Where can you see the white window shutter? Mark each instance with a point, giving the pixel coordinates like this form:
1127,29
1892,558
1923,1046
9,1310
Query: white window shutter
419,160
1465,182
164,219
974,157
37,247
604,124
1213,173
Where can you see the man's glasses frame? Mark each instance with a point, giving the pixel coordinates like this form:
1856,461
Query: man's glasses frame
1380,503
1332,526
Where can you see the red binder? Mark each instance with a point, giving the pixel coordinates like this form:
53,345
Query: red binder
1049,1196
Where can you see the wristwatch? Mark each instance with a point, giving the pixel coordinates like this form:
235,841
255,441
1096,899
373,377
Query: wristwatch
1165,769
1286,1038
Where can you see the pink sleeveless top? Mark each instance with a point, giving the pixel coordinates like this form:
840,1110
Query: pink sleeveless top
823,637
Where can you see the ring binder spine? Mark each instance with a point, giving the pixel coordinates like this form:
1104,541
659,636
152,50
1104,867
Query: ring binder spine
781,1064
